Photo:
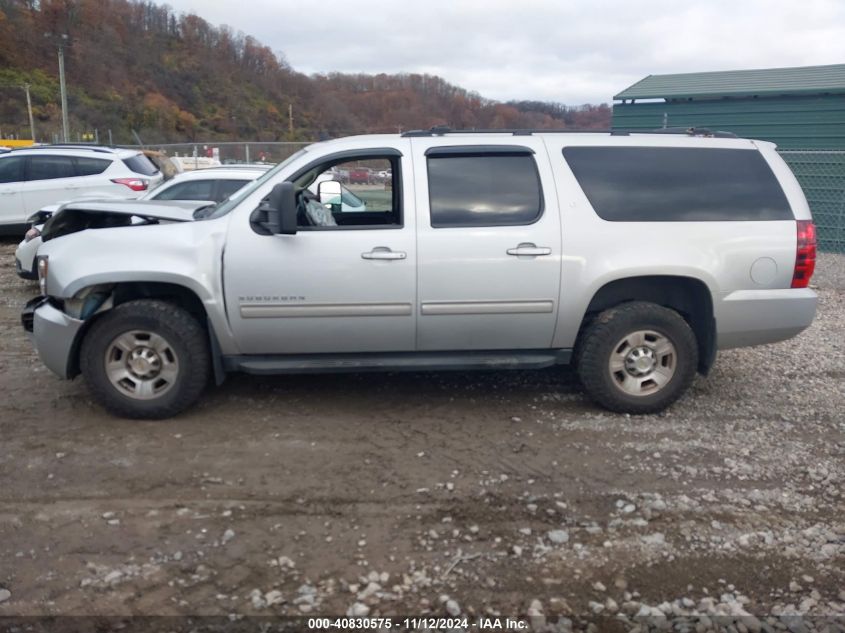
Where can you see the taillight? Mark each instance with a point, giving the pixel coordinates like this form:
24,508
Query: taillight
135,184
805,254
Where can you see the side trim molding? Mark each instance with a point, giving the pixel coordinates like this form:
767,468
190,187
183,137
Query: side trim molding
487,307
310,310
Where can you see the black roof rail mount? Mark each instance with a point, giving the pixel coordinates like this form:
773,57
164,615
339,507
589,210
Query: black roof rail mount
694,131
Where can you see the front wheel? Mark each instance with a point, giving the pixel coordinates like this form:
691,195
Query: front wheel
145,359
637,358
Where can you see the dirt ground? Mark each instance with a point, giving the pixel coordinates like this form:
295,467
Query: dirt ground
445,493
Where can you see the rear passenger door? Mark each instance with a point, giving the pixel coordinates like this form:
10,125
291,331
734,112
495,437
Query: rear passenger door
489,244
49,179
11,195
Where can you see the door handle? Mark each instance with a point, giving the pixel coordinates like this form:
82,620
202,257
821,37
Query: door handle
7,193
382,252
527,249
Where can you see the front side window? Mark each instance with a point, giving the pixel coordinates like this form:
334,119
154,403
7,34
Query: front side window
677,184
190,190
50,167
360,193
11,169
490,189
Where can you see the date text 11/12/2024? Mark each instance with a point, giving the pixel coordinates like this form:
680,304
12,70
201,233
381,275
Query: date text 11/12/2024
417,623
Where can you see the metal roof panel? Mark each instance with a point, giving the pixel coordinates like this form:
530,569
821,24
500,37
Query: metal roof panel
739,83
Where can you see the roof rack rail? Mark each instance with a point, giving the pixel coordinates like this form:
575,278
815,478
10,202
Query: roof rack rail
441,130
687,131
94,148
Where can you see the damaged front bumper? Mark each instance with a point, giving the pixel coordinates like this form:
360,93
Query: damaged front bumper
54,335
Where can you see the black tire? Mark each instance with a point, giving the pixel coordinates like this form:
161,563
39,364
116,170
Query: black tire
186,339
604,339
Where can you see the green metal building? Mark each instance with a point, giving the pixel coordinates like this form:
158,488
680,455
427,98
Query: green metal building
800,109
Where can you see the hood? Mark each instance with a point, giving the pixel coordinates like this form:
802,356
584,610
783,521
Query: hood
102,214
170,210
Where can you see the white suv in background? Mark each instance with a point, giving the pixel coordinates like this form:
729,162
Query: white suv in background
33,177
213,185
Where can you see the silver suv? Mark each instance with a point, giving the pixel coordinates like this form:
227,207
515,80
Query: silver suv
34,177
634,257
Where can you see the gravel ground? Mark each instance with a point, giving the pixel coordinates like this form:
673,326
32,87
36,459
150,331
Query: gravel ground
488,493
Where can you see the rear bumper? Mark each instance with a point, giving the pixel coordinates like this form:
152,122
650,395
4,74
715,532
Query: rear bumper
53,333
758,317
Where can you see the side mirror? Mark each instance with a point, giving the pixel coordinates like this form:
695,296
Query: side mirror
281,216
330,192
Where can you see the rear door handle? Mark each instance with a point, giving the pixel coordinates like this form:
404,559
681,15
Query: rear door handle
528,249
382,252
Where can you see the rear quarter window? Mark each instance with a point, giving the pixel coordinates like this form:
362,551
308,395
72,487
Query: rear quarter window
140,164
670,184
91,166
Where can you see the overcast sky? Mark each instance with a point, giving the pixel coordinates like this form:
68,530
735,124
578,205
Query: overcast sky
569,51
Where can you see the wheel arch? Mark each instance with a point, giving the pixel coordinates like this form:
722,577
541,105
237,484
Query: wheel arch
171,292
689,296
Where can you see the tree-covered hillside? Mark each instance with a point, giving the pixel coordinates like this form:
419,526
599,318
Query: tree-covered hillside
139,66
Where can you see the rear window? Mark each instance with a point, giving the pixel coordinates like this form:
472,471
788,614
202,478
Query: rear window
140,164
91,166
670,184
483,190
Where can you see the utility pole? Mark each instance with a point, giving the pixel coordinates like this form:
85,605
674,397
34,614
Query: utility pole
29,109
63,87
61,41
290,119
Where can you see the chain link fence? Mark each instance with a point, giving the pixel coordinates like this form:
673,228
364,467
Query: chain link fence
822,176
228,153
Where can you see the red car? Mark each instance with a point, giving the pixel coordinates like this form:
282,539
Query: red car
360,176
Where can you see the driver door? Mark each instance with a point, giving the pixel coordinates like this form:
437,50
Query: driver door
342,284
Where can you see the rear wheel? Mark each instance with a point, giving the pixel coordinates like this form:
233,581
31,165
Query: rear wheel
145,359
637,357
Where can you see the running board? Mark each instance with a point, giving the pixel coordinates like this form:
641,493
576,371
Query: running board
396,361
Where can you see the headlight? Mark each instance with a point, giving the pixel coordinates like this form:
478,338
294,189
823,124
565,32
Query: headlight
43,269
31,234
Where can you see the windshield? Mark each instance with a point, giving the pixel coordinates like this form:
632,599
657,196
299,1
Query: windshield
222,208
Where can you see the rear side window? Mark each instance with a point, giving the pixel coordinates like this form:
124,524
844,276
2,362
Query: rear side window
226,188
190,190
50,167
483,190
91,166
140,164
11,169
670,184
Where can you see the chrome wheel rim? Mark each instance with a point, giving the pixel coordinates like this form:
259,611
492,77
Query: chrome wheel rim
141,365
642,363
